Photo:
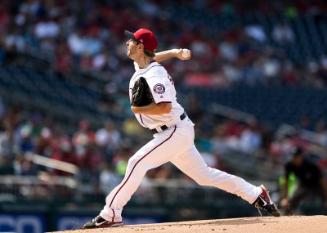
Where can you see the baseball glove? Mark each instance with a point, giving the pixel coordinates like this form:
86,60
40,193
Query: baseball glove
141,93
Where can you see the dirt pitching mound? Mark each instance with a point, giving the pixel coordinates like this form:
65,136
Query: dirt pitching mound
294,224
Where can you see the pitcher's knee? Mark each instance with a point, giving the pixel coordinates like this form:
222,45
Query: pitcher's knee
132,161
137,167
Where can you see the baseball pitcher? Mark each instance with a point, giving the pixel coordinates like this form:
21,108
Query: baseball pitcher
153,101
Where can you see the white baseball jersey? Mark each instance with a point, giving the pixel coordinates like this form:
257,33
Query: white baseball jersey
163,90
175,145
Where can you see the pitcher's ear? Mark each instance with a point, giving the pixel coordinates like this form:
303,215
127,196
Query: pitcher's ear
140,46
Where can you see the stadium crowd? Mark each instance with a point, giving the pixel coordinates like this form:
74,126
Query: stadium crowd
101,152
94,43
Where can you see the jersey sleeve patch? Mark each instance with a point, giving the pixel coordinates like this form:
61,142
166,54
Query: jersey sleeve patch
159,88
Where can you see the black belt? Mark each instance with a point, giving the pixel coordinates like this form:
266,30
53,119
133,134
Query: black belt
164,127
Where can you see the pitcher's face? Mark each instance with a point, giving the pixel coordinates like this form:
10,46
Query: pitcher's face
133,48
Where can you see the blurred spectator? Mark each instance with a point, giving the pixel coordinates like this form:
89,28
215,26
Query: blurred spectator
311,181
290,75
46,29
109,139
64,152
256,32
131,127
108,179
25,167
228,50
250,139
15,41
6,167
283,34
43,142
63,60
25,136
7,143
121,159
86,45
321,130
84,135
270,67
219,140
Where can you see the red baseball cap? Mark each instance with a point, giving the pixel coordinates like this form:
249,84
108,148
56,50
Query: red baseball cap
144,36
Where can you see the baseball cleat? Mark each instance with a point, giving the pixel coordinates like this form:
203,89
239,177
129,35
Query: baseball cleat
264,202
99,222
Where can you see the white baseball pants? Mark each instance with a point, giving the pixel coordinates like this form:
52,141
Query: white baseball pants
175,145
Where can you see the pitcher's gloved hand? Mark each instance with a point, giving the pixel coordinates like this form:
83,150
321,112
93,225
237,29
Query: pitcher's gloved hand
141,93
